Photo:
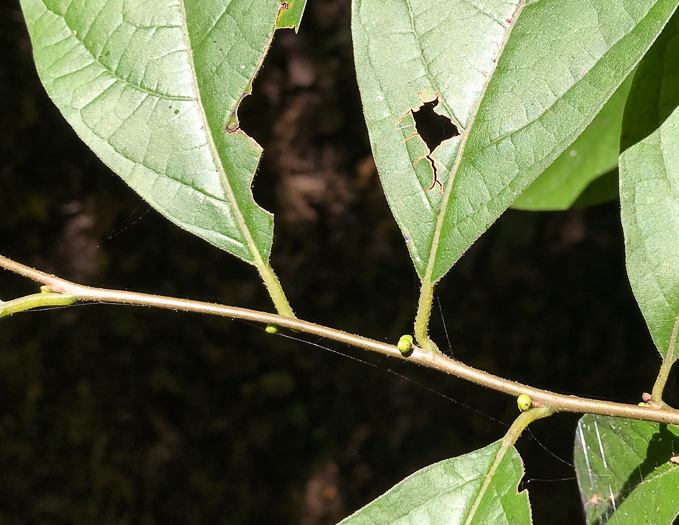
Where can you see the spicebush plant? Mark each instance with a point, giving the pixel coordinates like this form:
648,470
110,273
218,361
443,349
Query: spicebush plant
540,99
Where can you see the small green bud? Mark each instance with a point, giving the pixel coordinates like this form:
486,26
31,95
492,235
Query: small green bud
405,344
45,289
271,329
642,404
525,402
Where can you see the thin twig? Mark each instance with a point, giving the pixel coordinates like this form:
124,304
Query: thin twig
437,361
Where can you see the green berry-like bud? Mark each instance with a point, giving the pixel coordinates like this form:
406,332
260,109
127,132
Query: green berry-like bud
405,344
525,402
271,329
642,404
45,289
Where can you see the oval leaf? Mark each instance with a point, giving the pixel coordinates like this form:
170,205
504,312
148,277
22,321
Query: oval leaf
520,81
152,86
649,188
456,491
626,471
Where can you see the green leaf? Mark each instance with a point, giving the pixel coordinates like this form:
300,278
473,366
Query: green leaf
574,177
152,86
519,81
649,188
454,491
625,472
291,14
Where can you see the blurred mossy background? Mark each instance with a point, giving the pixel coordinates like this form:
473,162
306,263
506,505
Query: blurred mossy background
112,414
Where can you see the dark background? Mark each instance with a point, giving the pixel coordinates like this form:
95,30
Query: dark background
112,414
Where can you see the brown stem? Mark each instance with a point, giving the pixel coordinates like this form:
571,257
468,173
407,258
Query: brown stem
437,361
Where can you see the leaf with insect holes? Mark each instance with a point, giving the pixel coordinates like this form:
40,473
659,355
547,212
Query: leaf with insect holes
291,14
152,86
649,188
456,490
519,80
625,470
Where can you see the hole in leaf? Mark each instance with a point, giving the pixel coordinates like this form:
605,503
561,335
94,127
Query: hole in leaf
432,127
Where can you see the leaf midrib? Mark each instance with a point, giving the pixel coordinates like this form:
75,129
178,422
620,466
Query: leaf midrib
460,153
488,478
226,186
